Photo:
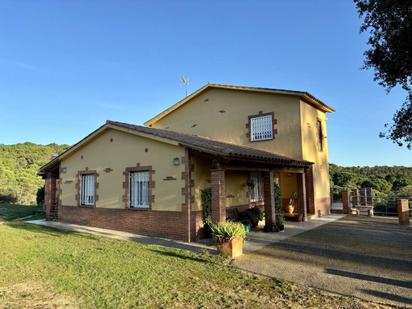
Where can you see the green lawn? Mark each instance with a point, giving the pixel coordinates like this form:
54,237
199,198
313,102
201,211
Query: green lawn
47,268
11,211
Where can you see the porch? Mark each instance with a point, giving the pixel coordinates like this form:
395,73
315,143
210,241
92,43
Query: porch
240,184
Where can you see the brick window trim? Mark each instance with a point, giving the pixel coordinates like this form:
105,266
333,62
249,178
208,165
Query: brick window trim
274,123
96,186
126,193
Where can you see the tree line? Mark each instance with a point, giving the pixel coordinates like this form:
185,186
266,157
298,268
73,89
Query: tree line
19,165
385,180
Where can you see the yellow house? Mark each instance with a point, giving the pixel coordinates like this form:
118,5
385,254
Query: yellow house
241,142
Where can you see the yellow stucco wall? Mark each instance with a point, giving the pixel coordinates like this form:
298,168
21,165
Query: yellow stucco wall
223,114
311,151
125,151
201,177
236,188
235,184
288,185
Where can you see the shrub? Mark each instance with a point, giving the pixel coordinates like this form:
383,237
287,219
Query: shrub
278,199
279,220
228,230
251,216
206,197
40,196
8,199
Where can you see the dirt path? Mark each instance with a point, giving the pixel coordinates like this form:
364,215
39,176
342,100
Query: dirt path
370,258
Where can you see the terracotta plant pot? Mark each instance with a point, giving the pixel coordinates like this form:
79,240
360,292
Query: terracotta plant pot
230,247
291,208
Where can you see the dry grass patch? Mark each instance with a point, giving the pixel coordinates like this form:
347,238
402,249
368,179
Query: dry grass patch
33,295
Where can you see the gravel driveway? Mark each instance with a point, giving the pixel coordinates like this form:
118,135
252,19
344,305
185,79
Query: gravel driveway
370,258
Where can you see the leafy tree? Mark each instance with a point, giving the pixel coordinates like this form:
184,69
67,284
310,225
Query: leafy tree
345,179
399,183
389,23
386,180
406,191
19,165
378,184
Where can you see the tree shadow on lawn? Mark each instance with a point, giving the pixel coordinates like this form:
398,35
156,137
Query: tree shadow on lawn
172,244
176,254
59,232
45,230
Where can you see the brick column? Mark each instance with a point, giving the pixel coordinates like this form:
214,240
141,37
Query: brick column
301,188
269,199
47,203
217,177
403,211
345,201
50,197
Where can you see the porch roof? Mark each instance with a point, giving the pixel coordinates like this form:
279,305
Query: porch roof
214,147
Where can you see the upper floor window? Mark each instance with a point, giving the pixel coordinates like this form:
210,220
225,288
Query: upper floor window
139,192
319,132
87,189
261,128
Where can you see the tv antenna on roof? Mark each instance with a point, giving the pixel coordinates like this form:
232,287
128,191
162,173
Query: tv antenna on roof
184,80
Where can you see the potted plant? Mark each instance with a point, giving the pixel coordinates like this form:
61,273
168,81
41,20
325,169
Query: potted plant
291,206
247,227
229,237
279,223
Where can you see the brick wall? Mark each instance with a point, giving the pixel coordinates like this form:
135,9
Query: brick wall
145,222
166,224
51,194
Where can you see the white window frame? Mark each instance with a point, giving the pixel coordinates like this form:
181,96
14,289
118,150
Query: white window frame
139,189
87,189
261,128
256,193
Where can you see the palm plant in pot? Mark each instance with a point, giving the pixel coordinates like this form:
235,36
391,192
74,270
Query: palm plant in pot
229,238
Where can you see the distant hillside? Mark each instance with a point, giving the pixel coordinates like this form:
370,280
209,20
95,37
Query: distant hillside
19,165
385,180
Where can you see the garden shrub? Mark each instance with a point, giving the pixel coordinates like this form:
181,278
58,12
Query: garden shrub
251,216
206,197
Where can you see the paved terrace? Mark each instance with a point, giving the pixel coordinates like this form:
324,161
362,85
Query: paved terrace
370,258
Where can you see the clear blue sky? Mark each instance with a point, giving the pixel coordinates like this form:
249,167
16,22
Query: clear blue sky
67,66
